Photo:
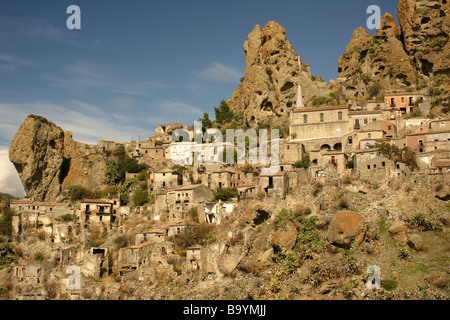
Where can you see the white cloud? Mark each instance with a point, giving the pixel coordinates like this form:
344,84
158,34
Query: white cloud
10,62
218,72
9,178
87,122
84,74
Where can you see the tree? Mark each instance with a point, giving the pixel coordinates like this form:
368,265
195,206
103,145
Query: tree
206,121
225,194
223,113
140,197
304,163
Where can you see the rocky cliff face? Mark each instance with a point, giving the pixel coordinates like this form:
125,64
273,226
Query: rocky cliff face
273,73
413,55
49,161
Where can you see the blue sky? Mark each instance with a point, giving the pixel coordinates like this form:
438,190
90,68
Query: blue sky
140,63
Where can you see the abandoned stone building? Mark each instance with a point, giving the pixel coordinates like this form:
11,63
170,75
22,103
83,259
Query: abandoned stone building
274,184
404,101
165,179
427,141
99,210
214,212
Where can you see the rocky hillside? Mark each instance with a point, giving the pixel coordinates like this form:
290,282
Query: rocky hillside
268,90
49,161
413,55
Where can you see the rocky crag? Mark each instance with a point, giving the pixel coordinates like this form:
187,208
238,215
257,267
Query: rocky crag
268,90
49,161
414,55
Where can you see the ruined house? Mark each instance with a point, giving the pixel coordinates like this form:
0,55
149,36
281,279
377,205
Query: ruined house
274,184
404,101
101,210
214,212
165,179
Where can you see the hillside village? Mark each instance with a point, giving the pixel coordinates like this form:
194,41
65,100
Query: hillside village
359,182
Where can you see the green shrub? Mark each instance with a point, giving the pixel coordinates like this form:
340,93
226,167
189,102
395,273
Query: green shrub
388,284
304,163
225,194
39,256
6,221
424,223
280,217
140,197
68,217
8,254
121,241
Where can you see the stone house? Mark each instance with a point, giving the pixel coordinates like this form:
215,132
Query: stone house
31,274
51,209
403,101
274,184
247,190
421,140
175,203
99,210
141,255
362,156
152,235
94,262
214,212
291,151
218,179
321,122
104,145
165,179
298,177
193,258
389,129
440,125
360,119
441,166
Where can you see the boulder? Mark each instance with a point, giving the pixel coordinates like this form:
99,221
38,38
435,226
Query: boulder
285,237
416,242
396,228
347,229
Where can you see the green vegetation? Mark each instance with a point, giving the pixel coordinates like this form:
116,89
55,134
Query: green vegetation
193,214
78,192
304,163
68,217
389,284
6,221
140,197
322,100
223,113
8,254
191,236
122,241
121,164
423,223
225,194
374,90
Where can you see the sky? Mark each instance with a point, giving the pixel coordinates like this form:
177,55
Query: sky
137,64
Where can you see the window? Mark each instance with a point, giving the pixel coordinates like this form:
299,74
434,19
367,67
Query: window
305,118
362,156
321,117
442,125
365,121
403,99
372,155
389,128
369,135
339,115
